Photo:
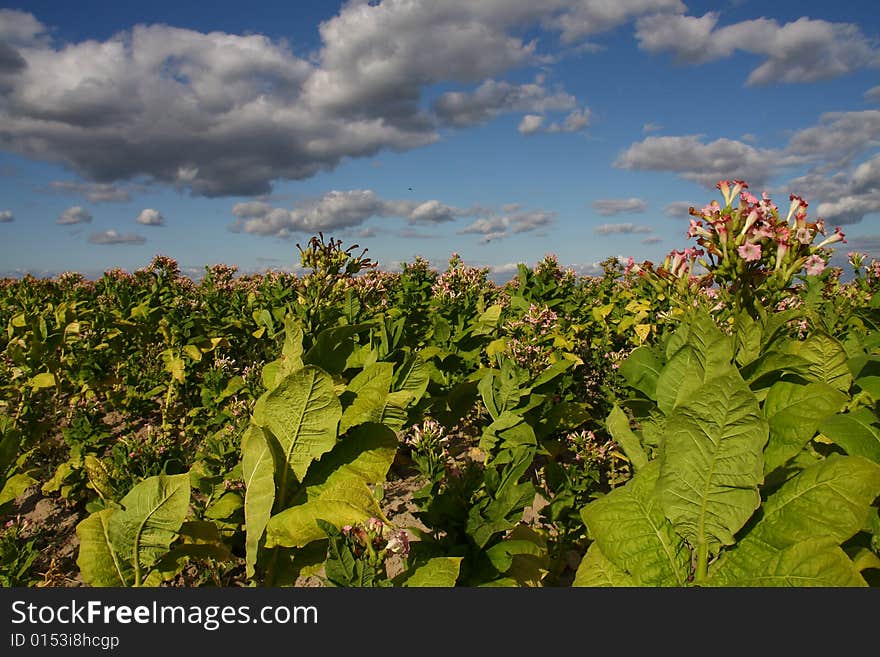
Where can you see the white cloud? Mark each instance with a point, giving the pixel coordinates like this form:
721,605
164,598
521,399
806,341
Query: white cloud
112,237
873,94
6,216
574,122
336,210
74,215
652,240
805,50
585,18
492,98
704,163
495,226
611,206
150,217
530,124
651,127
621,229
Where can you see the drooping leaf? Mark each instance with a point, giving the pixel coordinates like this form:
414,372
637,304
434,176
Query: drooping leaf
712,462
641,370
412,377
857,432
794,413
98,561
630,529
258,471
816,562
152,513
365,453
437,572
597,570
829,499
348,502
370,387
618,426
303,413
15,486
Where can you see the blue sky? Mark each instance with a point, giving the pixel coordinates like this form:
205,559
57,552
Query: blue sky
502,129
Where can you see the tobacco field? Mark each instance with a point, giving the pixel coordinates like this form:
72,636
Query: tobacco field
711,420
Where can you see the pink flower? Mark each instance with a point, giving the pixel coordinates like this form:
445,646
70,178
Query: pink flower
815,265
764,231
750,252
748,198
804,236
838,236
709,211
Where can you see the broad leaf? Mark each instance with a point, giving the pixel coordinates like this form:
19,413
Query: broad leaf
437,572
97,560
346,503
365,453
618,426
596,569
370,387
857,432
794,412
827,360
152,514
630,529
712,462
641,370
258,470
705,353
303,413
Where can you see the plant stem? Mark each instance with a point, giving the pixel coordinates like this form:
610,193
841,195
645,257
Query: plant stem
702,563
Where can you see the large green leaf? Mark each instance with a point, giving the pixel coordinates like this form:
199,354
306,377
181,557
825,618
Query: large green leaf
712,462
827,359
97,560
829,499
629,527
794,412
641,370
333,347
348,502
437,572
696,353
258,470
596,569
370,387
815,562
303,413
152,514
412,377
857,432
365,453
618,426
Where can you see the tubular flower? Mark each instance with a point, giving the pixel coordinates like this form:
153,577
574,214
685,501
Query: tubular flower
815,265
838,236
804,236
750,252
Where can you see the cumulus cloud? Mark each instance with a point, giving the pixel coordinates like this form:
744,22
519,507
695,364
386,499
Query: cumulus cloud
336,210
492,98
530,124
112,237
94,192
6,216
621,229
838,137
74,215
873,94
219,114
588,17
805,50
495,226
150,217
611,206
704,163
